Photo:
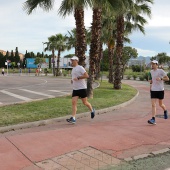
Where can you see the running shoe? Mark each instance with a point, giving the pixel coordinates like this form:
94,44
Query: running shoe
71,120
93,113
165,114
152,121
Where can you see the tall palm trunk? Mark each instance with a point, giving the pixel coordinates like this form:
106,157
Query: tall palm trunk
53,56
58,63
99,61
119,48
81,45
110,54
94,48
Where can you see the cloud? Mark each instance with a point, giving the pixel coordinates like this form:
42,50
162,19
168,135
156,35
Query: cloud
160,13
27,32
146,53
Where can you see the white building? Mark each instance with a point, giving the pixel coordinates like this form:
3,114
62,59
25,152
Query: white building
66,63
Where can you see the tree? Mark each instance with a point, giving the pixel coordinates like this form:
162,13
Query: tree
162,58
2,60
71,39
95,46
131,13
77,6
16,56
60,46
39,61
109,38
128,52
51,46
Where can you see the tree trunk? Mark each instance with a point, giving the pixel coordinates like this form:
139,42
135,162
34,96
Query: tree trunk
119,48
81,45
53,55
99,61
94,48
110,54
58,63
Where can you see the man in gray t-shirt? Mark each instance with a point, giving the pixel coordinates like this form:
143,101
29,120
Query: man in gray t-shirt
79,75
156,79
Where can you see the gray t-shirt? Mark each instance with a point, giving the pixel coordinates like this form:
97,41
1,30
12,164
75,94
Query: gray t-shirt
157,85
77,72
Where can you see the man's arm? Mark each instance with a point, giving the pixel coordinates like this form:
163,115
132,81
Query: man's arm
165,78
85,75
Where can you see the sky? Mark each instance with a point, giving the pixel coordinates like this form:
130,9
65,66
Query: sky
28,32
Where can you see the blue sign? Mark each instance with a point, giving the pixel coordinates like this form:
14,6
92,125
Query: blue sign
30,63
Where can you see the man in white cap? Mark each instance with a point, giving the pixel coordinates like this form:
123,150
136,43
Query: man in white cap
157,78
79,75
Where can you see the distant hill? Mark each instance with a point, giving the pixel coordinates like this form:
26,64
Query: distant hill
147,59
20,54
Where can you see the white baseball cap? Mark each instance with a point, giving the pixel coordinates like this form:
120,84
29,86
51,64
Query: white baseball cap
155,61
74,58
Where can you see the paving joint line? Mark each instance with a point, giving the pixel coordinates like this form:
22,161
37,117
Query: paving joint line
19,150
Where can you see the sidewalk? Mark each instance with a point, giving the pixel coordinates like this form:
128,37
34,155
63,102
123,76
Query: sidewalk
118,135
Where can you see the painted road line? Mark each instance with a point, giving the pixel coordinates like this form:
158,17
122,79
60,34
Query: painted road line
15,95
58,91
42,94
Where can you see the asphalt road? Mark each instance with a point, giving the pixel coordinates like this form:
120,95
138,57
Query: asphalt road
25,88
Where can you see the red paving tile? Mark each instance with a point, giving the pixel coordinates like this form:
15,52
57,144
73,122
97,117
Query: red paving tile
10,157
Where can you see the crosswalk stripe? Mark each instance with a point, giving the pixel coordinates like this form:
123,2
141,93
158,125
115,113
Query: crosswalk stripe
42,94
15,95
59,91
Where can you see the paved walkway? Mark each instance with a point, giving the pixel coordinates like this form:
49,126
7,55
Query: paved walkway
117,135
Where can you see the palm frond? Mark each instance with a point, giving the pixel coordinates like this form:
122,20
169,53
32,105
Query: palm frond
31,5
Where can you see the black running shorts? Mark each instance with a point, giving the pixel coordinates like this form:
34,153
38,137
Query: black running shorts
157,95
82,93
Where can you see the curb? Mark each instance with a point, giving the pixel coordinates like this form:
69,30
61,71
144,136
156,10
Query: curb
151,154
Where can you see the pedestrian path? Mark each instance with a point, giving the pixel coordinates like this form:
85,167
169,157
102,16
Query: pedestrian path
113,136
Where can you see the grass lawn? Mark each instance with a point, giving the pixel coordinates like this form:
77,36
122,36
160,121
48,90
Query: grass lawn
104,96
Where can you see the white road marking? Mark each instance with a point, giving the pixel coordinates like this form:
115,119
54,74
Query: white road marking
42,94
15,95
59,91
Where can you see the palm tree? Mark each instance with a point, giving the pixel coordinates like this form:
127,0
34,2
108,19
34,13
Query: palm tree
60,46
31,5
71,39
98,7
95,46
109,38
51,46
131,14
67,7
77,6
